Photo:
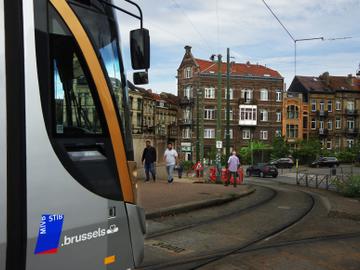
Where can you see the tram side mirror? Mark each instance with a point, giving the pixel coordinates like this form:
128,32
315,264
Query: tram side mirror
141,77
140,48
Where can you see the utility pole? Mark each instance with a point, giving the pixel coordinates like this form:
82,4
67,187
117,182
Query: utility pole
198,125
227,103
218,123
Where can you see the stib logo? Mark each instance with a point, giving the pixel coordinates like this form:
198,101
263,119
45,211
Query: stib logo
49,234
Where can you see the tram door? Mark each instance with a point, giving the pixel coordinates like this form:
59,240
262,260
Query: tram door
76,206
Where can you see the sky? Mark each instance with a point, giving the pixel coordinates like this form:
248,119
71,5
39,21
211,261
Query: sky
251,32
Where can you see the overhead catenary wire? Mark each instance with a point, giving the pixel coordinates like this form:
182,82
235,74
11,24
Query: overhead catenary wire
204,41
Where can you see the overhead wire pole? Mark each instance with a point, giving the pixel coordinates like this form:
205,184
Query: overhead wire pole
301,39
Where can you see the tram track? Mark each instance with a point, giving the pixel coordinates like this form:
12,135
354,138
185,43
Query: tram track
274,193
198,261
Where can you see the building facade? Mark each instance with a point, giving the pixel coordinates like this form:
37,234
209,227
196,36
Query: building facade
332,104
255,104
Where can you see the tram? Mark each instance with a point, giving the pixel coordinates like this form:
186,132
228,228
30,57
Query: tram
67,175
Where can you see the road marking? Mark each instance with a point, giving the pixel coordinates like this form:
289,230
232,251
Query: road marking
166,246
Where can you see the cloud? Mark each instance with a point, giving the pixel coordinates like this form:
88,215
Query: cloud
251,32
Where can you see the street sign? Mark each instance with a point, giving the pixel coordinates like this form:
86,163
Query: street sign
218,144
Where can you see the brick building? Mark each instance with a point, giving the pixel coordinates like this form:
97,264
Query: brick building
255,101
333,104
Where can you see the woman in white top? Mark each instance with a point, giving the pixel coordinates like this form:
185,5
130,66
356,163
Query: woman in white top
170,156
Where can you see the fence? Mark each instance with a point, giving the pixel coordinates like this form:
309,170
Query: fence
323,181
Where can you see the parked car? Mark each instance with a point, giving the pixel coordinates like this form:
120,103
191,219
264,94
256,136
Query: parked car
283,163
325,162
262,170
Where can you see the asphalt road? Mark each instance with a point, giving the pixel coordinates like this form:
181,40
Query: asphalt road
272,224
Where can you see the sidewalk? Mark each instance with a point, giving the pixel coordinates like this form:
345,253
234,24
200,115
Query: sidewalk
183,195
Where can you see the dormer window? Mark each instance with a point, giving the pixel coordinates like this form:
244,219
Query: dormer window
188,72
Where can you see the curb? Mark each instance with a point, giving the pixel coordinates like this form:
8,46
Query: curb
187,207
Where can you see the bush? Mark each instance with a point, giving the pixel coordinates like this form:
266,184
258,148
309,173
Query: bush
187,164
346,156
351,187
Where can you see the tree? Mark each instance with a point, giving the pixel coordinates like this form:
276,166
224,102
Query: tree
279,148
308,151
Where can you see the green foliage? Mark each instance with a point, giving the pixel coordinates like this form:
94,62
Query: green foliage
187,164
279,148
351,187
256,148
346,156
308,151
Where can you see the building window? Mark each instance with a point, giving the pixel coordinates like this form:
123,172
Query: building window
278,116
292,112
278,96
338,105
330,124
338,123
209,114
292,131
329,106
246,134
231,93
188,72
313,105
264,95
328,144
350,124
210,92
230,132
263,115
230,113
278,133
313,123
350,143
248,114
186,133
247,95
187,91
187,114
263,135
322,106
209,133
321,123
350,106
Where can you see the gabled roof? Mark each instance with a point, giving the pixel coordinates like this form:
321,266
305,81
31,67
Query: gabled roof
246,69
324,83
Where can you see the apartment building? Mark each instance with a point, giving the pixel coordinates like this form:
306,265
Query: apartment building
255,103
333,104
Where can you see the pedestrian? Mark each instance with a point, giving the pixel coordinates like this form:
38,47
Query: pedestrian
170,156
149,156
233,166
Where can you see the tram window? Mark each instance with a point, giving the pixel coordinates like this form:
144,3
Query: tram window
75,110
72,109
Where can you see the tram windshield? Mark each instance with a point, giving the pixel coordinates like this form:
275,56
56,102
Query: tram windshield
99,21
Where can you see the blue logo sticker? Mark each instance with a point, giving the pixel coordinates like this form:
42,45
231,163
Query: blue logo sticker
49,234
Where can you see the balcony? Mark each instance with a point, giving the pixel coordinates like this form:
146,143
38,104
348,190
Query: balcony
247,101
352,131
186,101
351,112
322,114
323,132
185,122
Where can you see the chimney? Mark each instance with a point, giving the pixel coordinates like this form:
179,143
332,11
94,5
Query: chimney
349,79
187,49
325,77
358,72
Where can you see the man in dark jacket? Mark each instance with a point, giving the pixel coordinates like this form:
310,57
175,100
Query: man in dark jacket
149,156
